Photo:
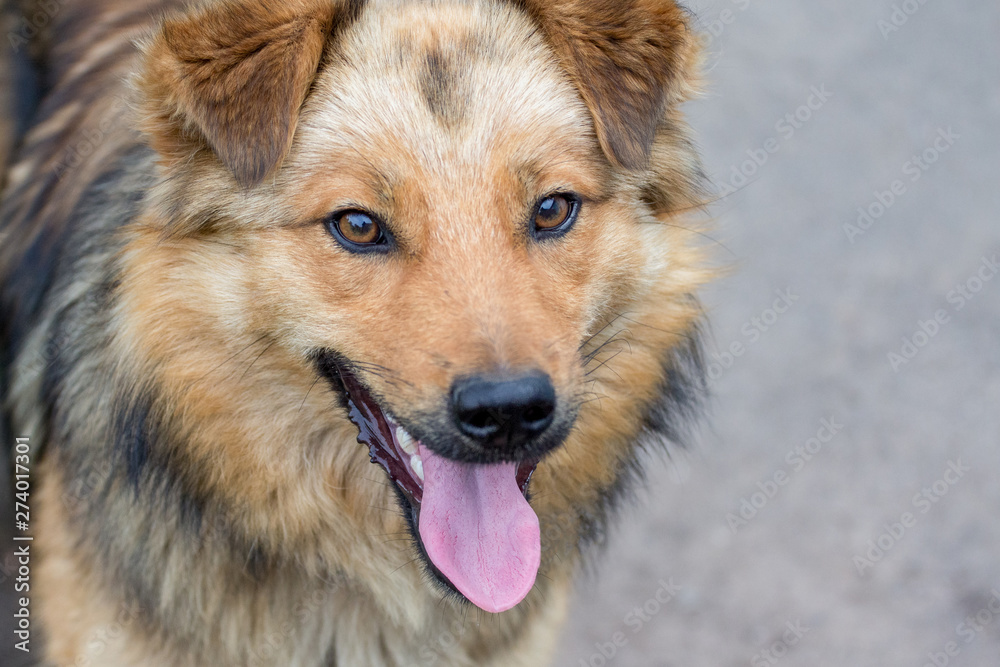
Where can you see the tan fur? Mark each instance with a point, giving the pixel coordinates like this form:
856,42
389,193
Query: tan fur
448,119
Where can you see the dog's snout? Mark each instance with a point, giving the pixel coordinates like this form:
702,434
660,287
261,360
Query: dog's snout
503,412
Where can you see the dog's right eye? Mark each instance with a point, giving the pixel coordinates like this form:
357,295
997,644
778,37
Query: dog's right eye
554,215
358,231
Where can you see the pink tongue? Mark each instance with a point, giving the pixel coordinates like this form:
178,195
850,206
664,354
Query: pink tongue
479,530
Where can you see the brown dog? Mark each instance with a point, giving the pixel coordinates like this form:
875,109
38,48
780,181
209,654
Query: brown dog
274,225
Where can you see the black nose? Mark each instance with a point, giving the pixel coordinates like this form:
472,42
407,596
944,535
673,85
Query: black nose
503,412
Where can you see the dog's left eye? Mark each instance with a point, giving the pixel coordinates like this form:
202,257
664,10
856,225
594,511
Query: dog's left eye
554,215
357,231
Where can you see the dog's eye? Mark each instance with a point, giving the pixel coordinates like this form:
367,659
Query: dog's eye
554,214
357,230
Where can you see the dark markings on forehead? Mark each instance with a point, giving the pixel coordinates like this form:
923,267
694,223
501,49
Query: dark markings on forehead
440,85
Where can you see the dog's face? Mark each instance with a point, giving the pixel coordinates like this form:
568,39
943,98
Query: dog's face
458,229
437,206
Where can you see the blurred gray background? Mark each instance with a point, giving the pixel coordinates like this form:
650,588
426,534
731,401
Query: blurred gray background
890,94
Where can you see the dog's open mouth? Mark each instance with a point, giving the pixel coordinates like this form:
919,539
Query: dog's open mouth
473,520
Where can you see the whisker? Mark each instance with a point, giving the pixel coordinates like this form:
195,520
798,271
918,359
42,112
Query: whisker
259,340
404,565
302,405
385,373
668,332
604,364
618,337
257,358
701,234
600,331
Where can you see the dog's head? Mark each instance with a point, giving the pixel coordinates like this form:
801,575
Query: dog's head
456,214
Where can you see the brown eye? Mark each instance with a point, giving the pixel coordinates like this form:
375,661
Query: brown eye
554,214
357,231
358,228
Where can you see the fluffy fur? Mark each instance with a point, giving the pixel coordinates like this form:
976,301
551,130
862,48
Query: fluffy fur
167,281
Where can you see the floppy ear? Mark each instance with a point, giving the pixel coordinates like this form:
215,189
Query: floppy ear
234,75
630,59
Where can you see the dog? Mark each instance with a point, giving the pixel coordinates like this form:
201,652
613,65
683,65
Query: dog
251,247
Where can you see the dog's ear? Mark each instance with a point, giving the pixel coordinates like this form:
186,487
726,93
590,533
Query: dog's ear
234,75
630,59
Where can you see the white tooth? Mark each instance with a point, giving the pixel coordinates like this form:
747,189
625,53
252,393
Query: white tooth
406,441
418,466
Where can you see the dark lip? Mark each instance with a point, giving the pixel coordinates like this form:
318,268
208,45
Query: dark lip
376,433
